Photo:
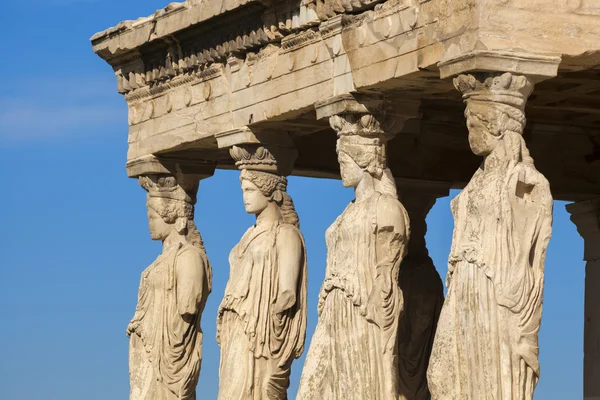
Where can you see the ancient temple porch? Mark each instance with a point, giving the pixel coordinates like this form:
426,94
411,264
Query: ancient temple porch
202,76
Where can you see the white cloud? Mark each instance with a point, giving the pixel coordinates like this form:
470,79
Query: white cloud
38,122
56,108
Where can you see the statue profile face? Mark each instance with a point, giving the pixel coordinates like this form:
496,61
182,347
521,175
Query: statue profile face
254,201
159,228
351,172
483,129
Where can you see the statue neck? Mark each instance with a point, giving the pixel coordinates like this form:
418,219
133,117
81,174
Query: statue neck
174,239
269,215
497,159
365,188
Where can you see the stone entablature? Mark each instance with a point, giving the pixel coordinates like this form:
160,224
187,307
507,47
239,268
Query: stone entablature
193,70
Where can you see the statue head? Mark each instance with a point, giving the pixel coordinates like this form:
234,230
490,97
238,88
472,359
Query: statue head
495,109
261,188
358,155
488,124
262,185
361,149
170,207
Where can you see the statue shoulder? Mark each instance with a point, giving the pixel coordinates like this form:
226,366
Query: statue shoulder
391,213
389,207
289,234
289,231
190,254
530,184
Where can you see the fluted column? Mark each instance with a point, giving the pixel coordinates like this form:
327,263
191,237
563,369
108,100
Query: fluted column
165,351
486,344
422,290
586,216
261,323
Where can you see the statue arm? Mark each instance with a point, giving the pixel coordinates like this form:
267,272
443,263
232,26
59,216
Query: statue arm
290,251
391,237
190,277
530,203
391,231
134,324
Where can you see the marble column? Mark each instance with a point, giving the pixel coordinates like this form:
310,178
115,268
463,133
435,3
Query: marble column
165,352
261,323
486,344
586,215
422,290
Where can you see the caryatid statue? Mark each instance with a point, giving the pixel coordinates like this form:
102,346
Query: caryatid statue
165,350
354,351
261,323
486,345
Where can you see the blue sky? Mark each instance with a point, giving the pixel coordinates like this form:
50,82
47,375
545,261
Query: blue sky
75,237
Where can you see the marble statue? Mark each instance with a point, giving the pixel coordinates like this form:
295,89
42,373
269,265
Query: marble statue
166,339
354,350
486,345
262,318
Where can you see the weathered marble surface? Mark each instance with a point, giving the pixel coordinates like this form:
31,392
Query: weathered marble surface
262,318
196,69
165,350
354,350
486,345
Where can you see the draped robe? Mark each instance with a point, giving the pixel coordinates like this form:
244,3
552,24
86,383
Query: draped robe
350,356
165,350
257,344
486,345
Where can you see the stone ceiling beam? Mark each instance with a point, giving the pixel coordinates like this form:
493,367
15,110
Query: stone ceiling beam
157,165
535,67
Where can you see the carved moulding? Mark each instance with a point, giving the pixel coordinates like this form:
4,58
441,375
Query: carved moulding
277,152
261,323
165,351
354,351
194,49
486,345
325,9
